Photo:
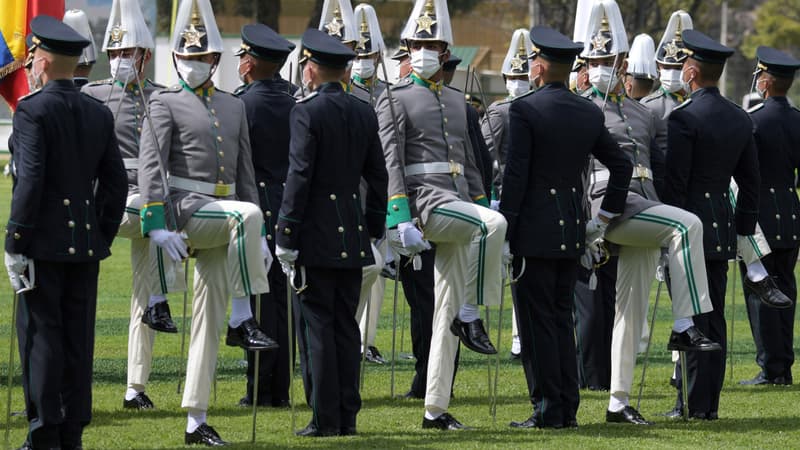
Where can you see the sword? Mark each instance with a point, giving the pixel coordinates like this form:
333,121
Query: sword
493,407
733,319
290,324
183,326
649,341
10,369
256,373
394,321
364,336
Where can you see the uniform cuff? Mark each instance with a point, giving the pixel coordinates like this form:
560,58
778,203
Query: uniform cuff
397,211
481,200
152,217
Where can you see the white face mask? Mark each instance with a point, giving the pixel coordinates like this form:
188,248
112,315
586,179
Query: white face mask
35,81
671,80
194,73
516,88
364,68
761,93
425,62
238,71
686,85
604,78
123,70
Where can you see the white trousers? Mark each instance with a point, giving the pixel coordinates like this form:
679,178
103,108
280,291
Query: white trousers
469,250
641,237
226,238
153,273
373,286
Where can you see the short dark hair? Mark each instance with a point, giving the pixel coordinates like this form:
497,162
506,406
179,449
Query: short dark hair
709,72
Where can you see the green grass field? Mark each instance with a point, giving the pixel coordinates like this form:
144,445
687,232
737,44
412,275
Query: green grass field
759,417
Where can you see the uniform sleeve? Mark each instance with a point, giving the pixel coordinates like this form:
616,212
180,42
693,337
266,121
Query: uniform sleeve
246,190
154,148
302,155
680,146
620,170
112,185
747,177
377,178
30,156
515,177
391,129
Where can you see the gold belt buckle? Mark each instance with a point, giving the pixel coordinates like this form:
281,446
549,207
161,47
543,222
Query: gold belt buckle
641,172
222,190
454,169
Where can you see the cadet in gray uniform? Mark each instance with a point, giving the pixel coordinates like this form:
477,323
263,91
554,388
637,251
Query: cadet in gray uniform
364,81
202,141
154,274
433,177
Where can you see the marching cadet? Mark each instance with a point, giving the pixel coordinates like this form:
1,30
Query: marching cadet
540,185
494,127
646,226
67,201
202,141
129,46
268,103
702,156
777,136
579,77
433,177
323,237
79,22
403,61
641,73
365,85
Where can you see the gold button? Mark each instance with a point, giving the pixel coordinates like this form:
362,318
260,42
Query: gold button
563,247
577,245
221,169
451,147
708,195
446,133
213,111
714,224
17,236
87,201
287,230
573,189
363,254
341,229
719,249
360,228
149,214
269,237
344,254
276,227
778,237
71,224
66,202
208,99
262,184
90,252
333,196
793,217
442,105
138,116
772,190
138,129
445,120
268,213
216,123
790,190
71,250
777,216
355,196
395,208
88,226
137,104
578,221
561,222
552,192
219,138
221,154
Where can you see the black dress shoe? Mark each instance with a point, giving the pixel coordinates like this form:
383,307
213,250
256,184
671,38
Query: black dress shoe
159,318
628,414
249,337
531,422
593,387
26,445
347,431
204,435
571,423
141,401
374,356
281,403
712,415
514,356
674,413
673,382
691,340
473,335
768,292
311,430
757,380
246,401
443,422
411,395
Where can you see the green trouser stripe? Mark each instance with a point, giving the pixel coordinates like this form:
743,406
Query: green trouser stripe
750,239
160,260
687,260
131,210
481,247
239,240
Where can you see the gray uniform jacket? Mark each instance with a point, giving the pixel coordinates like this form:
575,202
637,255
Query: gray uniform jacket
431,128
494,127
367,93
128,104
202,135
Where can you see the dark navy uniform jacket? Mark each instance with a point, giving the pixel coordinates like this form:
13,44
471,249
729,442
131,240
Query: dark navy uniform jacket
334,143
268,105
63,142
711,139
552,133
777,135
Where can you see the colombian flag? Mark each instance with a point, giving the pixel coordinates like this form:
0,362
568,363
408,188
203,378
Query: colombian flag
14,21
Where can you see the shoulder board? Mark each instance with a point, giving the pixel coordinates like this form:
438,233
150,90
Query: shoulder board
154,84
653,95
29,95
755,108
100,82
308,97
405,82
531,92
683,105
173,88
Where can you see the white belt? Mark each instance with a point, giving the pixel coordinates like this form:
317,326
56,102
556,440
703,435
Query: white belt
130,163
202,187
452,168
599,176
643,172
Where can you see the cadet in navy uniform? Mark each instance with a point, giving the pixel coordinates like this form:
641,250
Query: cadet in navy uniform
709,140
63,144
542,194
323,235
268,104
777,135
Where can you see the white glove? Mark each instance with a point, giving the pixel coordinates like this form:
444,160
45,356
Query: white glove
507,256
171,242
411,238
595,229
286,257
267,254
494,205
16,265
